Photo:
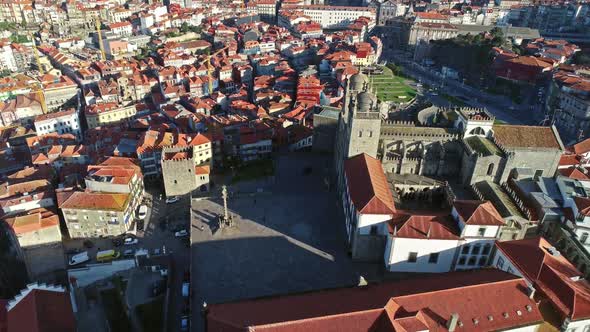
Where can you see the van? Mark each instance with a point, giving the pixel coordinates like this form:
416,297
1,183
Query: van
185,289
107,255
79,258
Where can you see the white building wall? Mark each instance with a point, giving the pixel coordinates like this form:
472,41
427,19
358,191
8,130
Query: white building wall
368,220
472,231
399,249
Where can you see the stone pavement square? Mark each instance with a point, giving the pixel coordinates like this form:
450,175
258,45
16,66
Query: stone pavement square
289,238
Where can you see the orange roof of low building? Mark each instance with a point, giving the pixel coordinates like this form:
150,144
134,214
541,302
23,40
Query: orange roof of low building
96,201
551,274
478,213
368,186
425,303
424,227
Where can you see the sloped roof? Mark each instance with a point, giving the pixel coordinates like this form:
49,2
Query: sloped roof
368,186
414,302
96,201
526,136
583,205
478,213
424,227
574,173
581,147
553,275
42,311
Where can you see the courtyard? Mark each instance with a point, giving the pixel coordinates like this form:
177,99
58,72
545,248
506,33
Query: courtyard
389,87
288,237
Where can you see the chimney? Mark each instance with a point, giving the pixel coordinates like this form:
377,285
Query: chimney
452,322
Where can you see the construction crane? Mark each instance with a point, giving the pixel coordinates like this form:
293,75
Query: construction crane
98,26
210,68
36,53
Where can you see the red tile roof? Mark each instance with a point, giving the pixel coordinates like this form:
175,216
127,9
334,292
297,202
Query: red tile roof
424,227
478,213
552,275
583,205
368,186
411,303
581,147
42,311
574,173
569,160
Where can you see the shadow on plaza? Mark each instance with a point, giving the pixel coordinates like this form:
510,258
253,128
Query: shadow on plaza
244,268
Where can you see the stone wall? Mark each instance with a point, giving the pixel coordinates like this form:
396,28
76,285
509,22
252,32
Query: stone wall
179,174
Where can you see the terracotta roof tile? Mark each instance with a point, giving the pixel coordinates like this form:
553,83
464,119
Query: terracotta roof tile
368,186
478,213
424,227
414,302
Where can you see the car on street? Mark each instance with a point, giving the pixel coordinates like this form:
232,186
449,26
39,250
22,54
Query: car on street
88,244
140,225
116,242
129,253
181,233
171,200
130,241
79,258
142,212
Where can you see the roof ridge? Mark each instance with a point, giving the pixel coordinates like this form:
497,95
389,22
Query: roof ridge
515,279
324,317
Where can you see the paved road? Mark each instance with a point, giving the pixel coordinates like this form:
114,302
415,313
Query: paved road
500,106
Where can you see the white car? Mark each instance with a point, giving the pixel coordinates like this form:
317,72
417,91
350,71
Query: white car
142,213
171,200
181,233
130,241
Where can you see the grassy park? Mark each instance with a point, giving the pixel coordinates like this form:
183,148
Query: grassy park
389,87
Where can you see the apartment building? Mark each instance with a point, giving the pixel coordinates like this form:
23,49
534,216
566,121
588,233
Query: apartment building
332,17
65,122
98,115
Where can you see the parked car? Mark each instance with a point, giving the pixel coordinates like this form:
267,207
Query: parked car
185,289
130,241
181,233
88,244
140,225
129,253
116,242
171,200
142,212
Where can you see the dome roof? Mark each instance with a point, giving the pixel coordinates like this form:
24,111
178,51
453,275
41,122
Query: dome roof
365,100
357,81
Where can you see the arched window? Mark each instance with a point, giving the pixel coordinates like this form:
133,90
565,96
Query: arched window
491,169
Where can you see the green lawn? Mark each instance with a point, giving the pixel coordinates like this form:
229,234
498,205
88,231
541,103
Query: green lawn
392,88
150,314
